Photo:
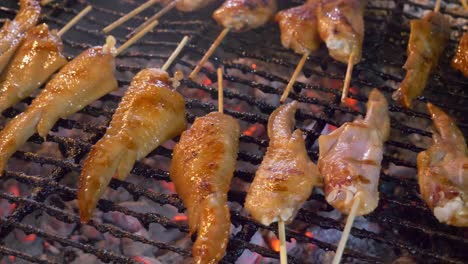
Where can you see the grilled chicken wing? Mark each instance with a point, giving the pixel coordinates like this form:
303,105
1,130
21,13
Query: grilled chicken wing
286,176
189,5
37,58
80,82
202,167
298,27
150,114
13,31
443,171
350,158
243,15
341,27
429,36
460,60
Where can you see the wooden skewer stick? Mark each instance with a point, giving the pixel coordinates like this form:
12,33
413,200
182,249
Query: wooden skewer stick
46,2
208,54
282,239
131,14
298,70
347,229
437,6
220,91
156,16
347,80
175,53
464,4
136,37
75,20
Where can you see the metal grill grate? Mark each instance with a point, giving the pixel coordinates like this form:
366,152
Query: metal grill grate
406,225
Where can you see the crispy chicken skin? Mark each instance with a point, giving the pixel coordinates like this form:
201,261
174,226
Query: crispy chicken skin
443,171
298,27
13,31
428,38
189,5
149,114
243,15
286,176
460,60
80,82
37,58
350,158
341,27
202,167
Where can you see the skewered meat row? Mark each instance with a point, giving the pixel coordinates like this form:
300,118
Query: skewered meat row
83,80
460,60
243,15
149,114
202,167
286,176
299,29
443,171
189,5
37,58
429,36
13,31
341,27
350,158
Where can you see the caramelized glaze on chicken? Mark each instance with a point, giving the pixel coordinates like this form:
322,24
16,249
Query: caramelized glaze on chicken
13,31
429,36
189,5
443,171
341,27
460,60
37,58
243,15
286,176
298,27
202,167
149,114
80,82
351,156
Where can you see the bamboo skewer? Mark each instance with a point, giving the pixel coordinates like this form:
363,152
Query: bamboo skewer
75,20
210,51
346,230
298,70
437,6
282,239
155,17
220,91
136,37
464,4
131,14
347,80
46,2
175,53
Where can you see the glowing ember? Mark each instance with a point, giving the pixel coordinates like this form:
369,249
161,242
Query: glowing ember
207,81
253,130
180,217
275,244
254,66
352,103
30,238
141,260
16,192
168,186
309,234
12,258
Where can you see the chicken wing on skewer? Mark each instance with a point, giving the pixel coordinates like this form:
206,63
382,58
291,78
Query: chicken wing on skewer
149,114
243,15
429,36
350,158
189,5
443,171
37,58
298,27
13,31
286,176
341,27
202,167
460,60
83,80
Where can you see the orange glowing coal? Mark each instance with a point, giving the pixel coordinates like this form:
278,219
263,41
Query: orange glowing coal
180,217
141,260
254,66
275,244
309,234
30,238
352,103
207,81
